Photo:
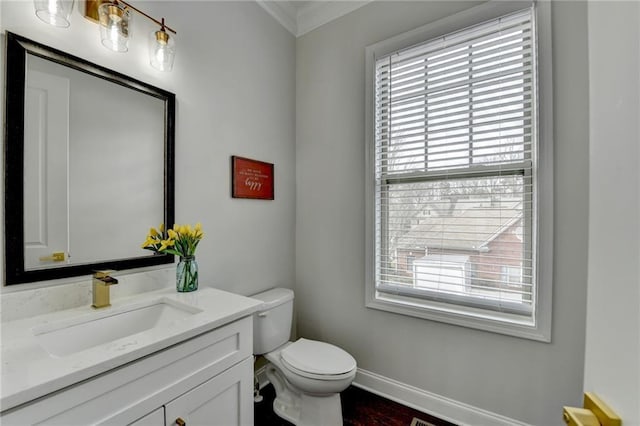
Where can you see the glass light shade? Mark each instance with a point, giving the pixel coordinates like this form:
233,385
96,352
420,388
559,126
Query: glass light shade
54,12
115,26
162,50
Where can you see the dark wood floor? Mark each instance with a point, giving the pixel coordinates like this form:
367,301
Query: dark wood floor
359,408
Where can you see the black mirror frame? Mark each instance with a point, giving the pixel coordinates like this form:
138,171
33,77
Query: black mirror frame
17,47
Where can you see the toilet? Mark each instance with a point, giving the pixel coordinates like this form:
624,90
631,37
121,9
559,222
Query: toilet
307,375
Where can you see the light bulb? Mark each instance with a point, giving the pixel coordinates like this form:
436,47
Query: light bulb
115,24
161,50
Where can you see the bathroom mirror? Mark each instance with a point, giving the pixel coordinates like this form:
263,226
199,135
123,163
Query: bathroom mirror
89,165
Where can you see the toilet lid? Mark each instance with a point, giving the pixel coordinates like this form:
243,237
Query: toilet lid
318,357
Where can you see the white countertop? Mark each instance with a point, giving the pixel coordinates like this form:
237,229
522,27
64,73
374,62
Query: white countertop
29,372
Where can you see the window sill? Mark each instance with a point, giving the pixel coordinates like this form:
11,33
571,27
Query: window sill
461,316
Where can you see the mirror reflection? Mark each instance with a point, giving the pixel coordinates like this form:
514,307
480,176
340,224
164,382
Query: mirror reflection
96,149
93,166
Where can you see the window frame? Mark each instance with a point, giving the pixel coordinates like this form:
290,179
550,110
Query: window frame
539,326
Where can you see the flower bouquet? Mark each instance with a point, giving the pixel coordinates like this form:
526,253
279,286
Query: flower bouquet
181,241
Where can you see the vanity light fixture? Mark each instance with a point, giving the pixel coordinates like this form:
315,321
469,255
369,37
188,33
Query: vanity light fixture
114,20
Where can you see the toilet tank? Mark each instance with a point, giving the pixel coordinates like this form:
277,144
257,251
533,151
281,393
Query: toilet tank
272,323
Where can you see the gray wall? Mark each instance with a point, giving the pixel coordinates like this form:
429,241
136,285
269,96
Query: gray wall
613,303
524,380
234,79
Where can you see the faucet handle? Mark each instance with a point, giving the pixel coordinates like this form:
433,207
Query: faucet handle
105,277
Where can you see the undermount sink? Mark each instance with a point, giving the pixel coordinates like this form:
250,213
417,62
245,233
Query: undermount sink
66,337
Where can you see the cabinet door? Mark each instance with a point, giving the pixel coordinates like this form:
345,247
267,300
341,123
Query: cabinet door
225,400
154,418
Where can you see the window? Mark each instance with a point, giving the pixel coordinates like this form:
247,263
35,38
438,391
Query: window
454,160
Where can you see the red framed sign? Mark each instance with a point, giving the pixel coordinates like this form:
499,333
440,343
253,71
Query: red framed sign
251,179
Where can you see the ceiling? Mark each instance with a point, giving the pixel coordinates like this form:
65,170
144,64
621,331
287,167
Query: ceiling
302,16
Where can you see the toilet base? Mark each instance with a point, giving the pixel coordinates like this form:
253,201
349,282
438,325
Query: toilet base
303,409
310,410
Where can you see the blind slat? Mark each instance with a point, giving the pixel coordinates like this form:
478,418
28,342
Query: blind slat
444,46
444,89
516,110
515,40
505,104
471,67
462,299
486,87
434,140
465,61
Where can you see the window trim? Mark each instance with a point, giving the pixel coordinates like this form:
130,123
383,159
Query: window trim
543,198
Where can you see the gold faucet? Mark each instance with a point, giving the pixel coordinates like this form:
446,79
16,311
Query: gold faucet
102,280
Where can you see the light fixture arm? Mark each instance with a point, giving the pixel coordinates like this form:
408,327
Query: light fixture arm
163,26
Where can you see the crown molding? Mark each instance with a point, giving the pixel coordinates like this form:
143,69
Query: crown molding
315,14
299,20
283,12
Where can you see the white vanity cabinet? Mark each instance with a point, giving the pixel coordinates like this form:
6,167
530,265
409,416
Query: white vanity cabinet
206,380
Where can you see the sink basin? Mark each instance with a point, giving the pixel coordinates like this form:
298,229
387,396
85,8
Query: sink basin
67,337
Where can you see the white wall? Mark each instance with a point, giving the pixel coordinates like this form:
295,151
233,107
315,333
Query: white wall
234,81
612,356
523,380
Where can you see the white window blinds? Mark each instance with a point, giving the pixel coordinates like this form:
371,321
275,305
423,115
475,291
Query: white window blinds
455,134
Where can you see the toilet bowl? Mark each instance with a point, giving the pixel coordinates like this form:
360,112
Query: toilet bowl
307,375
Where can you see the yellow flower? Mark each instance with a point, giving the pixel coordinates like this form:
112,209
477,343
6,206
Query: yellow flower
166,243
181,240
149,242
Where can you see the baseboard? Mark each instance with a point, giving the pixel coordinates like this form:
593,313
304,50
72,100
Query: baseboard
428,402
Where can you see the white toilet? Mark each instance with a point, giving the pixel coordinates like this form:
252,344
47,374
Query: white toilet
307,375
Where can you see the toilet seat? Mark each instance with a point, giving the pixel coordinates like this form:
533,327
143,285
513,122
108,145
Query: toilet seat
317,360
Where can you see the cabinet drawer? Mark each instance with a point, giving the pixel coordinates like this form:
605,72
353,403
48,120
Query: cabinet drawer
127,393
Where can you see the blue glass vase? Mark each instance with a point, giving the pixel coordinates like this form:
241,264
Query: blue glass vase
187,274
